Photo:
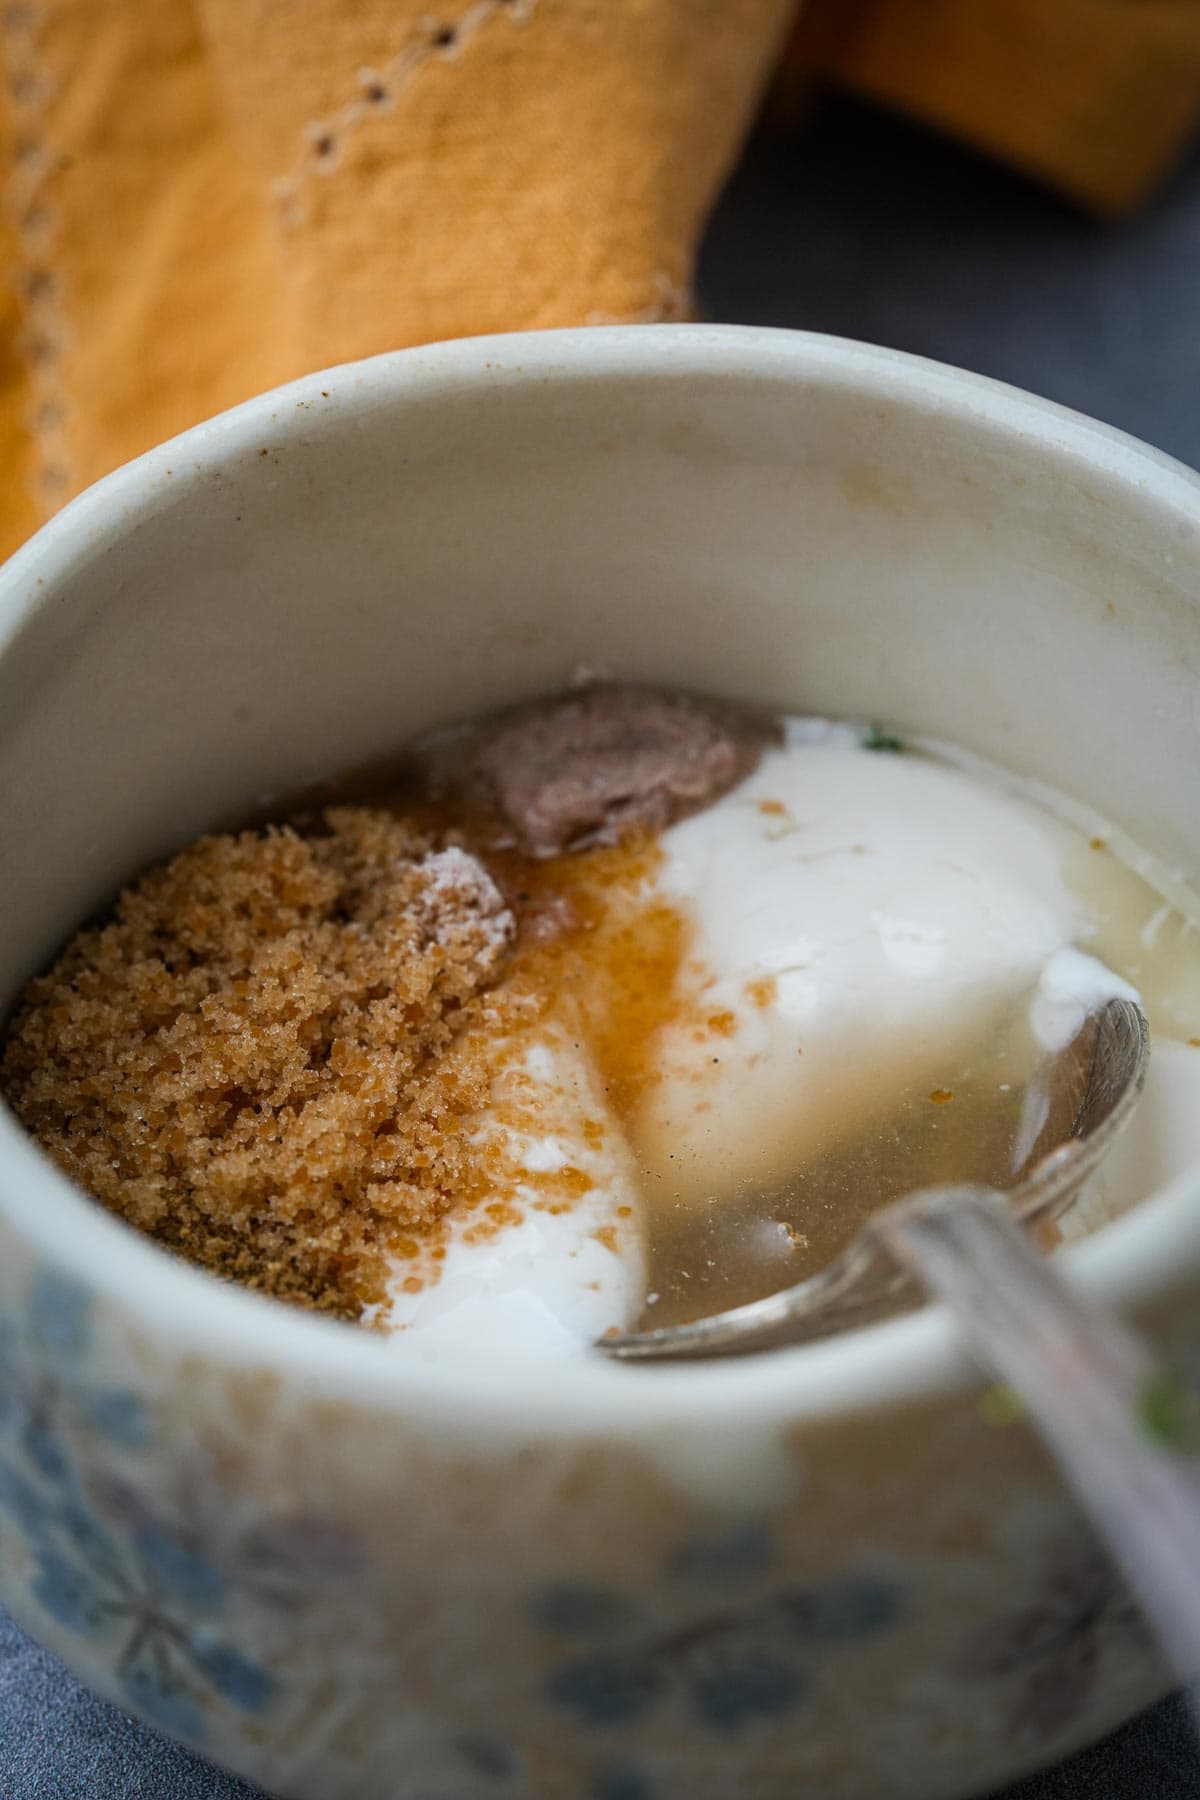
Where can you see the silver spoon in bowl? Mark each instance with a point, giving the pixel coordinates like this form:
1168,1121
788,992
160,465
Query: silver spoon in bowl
1088,1383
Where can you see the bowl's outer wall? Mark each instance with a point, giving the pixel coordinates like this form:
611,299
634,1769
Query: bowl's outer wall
351,1587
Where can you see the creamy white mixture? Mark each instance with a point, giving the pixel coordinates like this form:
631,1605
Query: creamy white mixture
858,917
545,1281
890,904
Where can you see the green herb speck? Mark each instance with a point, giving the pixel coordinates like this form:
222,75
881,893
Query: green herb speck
875,738
1168,1411
1002,1405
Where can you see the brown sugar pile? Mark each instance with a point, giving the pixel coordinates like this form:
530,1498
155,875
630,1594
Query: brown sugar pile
267,1058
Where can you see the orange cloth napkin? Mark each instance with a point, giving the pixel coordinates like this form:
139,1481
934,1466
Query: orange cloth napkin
206,197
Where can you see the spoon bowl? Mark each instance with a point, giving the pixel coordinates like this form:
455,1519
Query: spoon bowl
1081,1097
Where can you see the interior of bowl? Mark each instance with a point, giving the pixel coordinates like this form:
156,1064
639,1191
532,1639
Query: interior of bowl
813,525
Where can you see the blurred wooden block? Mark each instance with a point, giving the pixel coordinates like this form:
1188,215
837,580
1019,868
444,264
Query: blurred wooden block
1098,98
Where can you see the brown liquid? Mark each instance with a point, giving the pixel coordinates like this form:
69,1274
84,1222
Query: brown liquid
744,1245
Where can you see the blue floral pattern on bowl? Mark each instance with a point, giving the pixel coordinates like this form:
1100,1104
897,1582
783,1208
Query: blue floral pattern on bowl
1050,1652
731,1663
106,1564
204,1600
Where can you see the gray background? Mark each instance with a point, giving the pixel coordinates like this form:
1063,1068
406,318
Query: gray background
872,229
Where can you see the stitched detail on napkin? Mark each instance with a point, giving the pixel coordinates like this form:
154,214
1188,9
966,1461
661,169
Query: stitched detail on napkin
378,91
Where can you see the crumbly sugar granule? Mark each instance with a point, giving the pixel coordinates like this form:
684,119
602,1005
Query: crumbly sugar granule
273,1056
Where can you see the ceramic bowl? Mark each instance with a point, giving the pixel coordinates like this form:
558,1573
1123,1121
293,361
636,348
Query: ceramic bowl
345,1572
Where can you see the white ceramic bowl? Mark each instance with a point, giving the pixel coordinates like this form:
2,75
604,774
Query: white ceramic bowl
346,1573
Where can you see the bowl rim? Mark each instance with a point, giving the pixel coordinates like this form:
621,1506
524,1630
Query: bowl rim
1126,1264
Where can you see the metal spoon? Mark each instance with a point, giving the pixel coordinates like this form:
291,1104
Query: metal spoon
1086,1382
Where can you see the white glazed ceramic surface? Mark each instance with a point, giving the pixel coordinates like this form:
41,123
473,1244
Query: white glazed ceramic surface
348,1573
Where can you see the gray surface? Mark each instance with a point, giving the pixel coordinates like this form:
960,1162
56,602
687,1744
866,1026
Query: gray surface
869,229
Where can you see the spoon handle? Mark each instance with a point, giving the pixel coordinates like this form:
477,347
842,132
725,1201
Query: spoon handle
1103,1406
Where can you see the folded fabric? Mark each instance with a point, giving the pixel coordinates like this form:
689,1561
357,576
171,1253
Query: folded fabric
1096,97
206,197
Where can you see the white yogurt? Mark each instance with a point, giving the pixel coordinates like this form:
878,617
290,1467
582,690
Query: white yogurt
881,906
548,1281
